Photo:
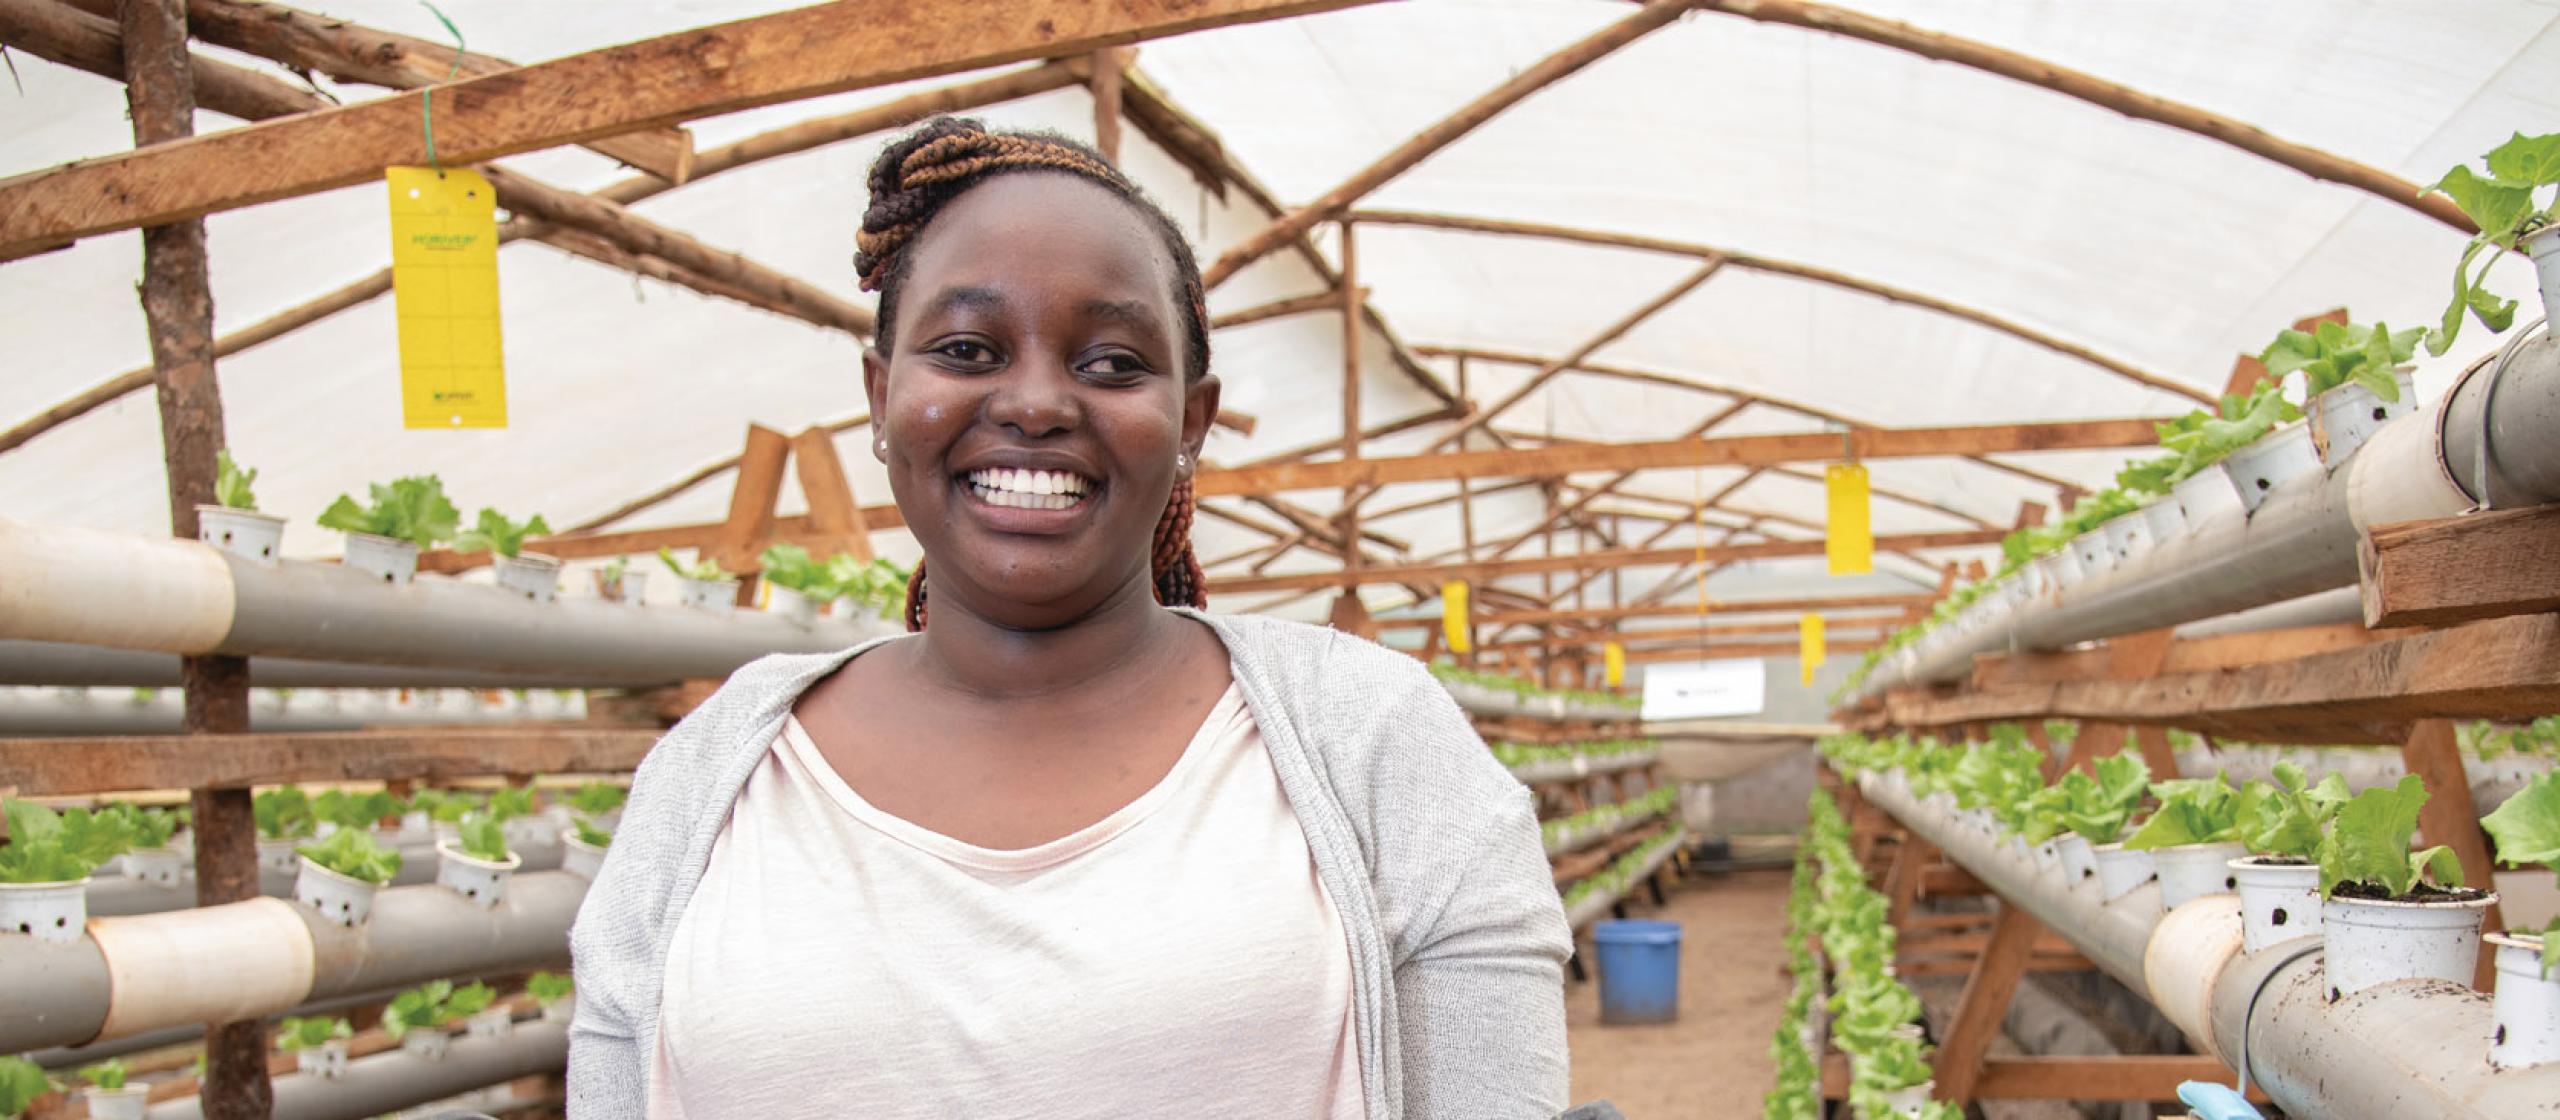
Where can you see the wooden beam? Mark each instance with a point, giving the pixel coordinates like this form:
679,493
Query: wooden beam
1985,1003
832,509
2480,565
744,64
2451,818
2185,655
1736,451
1846,628
95,764
1717,608
352,52
1282,309
1579,354
1348,613
2130,102
1714,651
1108,67
1483,571
1539,75
749,526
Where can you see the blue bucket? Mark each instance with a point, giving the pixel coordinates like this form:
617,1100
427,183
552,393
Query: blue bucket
1639,971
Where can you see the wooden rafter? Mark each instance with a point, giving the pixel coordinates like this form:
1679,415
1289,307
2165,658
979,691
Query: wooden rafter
761,60
1485,571
1850,628
1701,385
1719,607
1740,451
2043,74
1545,72
1833,277
1583,352
1280,309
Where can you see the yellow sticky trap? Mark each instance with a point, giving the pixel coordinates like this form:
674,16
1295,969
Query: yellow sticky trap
1613,663
1809,646
1454,623
444,276
1849,539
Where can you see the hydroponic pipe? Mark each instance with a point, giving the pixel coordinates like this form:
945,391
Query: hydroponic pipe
394,1079
2302,539
26,712
2387,1053
265,956
128,591
71,665
115,896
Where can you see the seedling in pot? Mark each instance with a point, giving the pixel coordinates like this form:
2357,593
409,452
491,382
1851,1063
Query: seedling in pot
2366,851
21,1082
108,1075
483,838
495,533
595,799
2283,819
231,483
2192,811
409,509
700,571
66,847
2335,354
2527,831
2503,204
354,853
297,1033
358,811
284,813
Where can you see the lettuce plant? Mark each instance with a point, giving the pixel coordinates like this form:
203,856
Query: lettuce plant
493,532
409,509
2097,807
2192,811
589,834
108,1075
231,483
511,802
791,566
353,852
146,828
443,805
49,847
549,987
482,838
2527,830
2335,354
2504,205
298,1033
2285,817
354,810
284,813
21,1082
699,571
434,1005
2367,844
595,799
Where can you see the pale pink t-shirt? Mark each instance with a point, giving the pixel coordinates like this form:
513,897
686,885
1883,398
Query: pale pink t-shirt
1177,958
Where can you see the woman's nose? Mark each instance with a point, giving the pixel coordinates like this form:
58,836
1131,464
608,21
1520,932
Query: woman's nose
1036,397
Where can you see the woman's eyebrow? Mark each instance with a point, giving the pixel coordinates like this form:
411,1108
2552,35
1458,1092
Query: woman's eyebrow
1133,312
970,298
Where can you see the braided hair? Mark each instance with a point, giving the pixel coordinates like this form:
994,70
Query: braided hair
920,174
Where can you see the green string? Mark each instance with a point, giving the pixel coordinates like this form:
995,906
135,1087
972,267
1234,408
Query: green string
427,97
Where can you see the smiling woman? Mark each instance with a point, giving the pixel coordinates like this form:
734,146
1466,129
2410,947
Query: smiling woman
1077,848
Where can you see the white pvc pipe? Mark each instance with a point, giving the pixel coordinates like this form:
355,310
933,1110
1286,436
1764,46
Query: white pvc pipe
395,1079
218,964
112,589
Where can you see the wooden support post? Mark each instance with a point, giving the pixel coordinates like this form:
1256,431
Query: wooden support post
1106,83
832,508
750,522
177,304
2451,818
1911,860
1985,1003
1347,608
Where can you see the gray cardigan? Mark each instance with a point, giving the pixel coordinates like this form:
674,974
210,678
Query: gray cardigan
1427,846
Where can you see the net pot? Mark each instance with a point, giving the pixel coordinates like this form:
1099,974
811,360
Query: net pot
560,1010
579,858
45,911
428,1043
719,596
343,899
2279,902
2343,418
525,832
2079,863
2121,869
2206,496
2527,1006
2543,245
2128,536
2048,855
533,576
2162,520
245,533
132,1102
790,604
482,881
2095,555
2277,458
631,588
2378,941
279,856
329,1059
392,561
160,867
496,1022
1910,1099
2192,871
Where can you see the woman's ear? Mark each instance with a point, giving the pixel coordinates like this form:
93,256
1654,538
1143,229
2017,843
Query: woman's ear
1199,410
875,387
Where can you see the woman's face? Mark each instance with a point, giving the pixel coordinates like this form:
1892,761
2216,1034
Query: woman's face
1034,403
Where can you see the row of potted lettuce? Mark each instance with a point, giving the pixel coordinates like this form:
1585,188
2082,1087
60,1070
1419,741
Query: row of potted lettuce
1495,694
1587,897
1557,762
2305,858
386,532
2354,379
1858,1003
1599,822
421,1020
340,847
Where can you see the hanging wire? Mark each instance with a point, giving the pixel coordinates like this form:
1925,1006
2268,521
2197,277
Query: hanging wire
427,96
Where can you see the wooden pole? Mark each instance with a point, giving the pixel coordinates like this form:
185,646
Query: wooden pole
1107,74
177,303
1547,71
1611,333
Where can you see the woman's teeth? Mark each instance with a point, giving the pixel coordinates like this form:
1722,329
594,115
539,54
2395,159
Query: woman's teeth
1026,489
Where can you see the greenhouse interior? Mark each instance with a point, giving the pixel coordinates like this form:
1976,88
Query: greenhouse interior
2004,559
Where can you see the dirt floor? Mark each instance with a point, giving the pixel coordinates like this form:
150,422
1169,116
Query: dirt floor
1714,1061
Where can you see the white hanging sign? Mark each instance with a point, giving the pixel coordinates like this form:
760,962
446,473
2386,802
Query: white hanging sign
1706,689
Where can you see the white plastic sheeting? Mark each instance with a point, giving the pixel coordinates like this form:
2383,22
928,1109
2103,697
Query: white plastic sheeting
2157,247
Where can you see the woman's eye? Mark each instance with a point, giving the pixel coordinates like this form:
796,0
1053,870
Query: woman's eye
966,351
1114,367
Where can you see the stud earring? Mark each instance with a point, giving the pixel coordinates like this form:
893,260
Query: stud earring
1181,462
884,447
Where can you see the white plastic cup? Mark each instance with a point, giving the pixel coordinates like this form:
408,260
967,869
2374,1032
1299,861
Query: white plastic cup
1910,1099
2343,418
2279,902
2096,556
133,1102
579,858
329,1059
160,867
279,857
2192,871
2128,536
56,912
428,1043
245,533
2543,245
719,596
2375,941
2262,468
343,899
2527,1006
2163,520
2205,497
2121,869
392,561
790,604
2079,863
533,576
496,1022
481,881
